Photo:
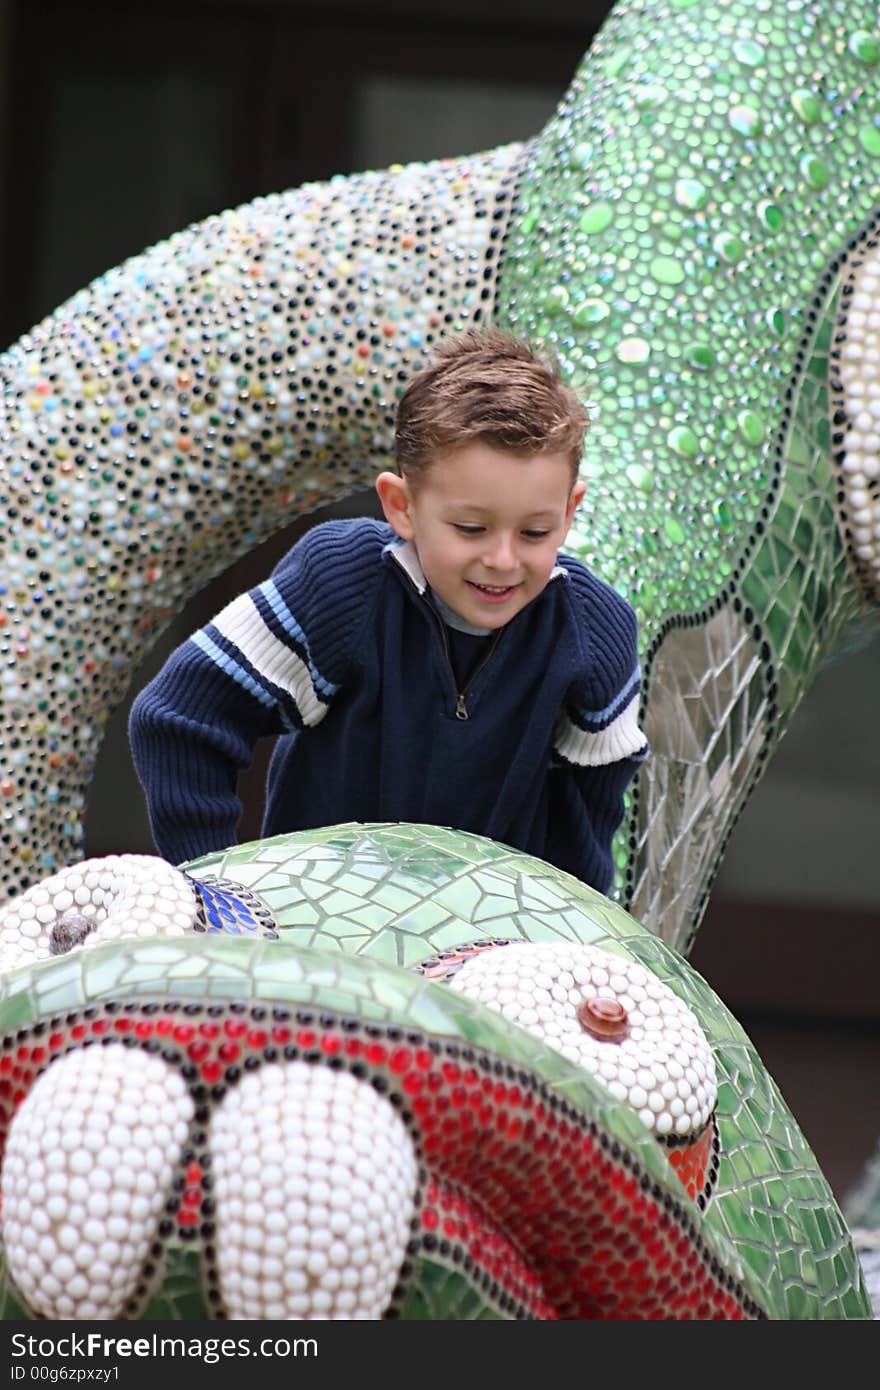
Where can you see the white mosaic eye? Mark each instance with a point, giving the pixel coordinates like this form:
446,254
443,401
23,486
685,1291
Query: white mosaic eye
75,1238
858,357
120,896
609,1015
326,1228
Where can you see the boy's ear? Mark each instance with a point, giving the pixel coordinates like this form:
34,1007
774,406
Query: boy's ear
396,499
574,500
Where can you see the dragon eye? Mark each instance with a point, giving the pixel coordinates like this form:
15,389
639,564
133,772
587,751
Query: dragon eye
617,1020
69,931
99,900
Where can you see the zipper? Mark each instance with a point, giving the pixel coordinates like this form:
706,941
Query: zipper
461,695
460,706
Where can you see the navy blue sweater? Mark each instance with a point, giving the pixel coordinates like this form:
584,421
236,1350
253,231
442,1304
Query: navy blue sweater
343,654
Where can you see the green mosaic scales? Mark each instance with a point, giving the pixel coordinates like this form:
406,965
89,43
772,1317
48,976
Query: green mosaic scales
694,232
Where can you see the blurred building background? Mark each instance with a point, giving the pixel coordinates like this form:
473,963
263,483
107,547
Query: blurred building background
121,124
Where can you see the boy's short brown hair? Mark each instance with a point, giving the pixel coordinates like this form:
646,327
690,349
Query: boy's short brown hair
487,385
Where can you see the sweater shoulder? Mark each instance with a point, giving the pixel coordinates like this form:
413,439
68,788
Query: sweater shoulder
329,581
349,546
606,624
592,594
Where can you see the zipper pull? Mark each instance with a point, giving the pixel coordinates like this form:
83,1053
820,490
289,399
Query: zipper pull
460,708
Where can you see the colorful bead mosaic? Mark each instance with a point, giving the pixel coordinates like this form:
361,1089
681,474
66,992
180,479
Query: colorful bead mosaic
183,408
695,234
508,1218
685,231
377,1130
416,896
227,907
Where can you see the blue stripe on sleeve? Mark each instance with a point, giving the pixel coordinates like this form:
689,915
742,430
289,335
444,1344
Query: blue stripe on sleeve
289,624
598,717
231,667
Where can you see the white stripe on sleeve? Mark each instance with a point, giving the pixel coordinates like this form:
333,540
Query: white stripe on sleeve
621,739
240,623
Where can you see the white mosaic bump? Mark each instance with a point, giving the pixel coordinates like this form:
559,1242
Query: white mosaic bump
121,895
859,373
86,1174
316,1182
663,1068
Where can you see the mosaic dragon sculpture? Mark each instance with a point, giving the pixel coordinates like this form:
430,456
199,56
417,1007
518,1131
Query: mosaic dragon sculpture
300,1099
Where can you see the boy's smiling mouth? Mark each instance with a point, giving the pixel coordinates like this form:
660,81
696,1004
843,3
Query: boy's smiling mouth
492,591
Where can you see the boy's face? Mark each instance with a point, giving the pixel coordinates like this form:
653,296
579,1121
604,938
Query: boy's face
486,525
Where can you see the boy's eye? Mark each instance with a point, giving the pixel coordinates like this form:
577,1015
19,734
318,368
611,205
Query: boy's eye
466,530
536,535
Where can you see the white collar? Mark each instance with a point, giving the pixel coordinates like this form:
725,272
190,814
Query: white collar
406,555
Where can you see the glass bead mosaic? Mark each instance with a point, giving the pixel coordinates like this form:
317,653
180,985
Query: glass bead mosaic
695,235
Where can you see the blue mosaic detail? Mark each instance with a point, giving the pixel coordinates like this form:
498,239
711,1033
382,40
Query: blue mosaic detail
231,909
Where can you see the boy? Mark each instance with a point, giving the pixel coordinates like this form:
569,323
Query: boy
446,667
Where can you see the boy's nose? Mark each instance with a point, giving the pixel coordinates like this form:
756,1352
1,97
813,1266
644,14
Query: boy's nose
501,553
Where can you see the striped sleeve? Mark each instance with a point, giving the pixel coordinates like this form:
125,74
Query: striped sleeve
288,641
599,721
594,737
258,641
271,662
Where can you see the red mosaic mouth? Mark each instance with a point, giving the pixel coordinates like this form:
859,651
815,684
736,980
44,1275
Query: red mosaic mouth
545,1214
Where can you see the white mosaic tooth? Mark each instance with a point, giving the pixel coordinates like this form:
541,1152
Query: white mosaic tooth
859,354
359,1221
60,1107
